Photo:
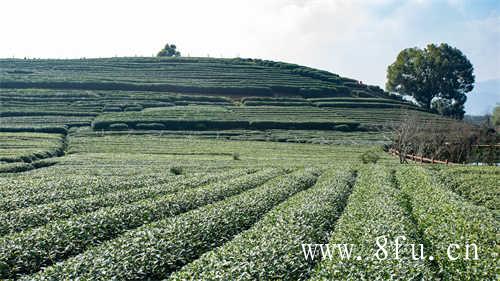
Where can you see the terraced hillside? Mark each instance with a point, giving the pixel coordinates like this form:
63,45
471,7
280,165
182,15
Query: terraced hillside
204,75
159,94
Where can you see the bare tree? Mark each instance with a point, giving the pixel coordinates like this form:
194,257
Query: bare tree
452,140
405,135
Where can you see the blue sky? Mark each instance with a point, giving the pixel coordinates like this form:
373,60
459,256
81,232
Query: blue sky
353,38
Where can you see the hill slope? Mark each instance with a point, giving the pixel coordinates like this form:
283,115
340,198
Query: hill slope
199,75
188,94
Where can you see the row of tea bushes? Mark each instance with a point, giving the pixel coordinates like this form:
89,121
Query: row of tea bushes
479,188
28,251
155,250
18,220
271,249
376,210
445,218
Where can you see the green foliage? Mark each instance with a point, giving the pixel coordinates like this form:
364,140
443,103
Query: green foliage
447,107
29,147
444,218
496,116
36,192
360,100
438,77
362,105
119,206
22,253
39,214
343,128
23,167
185,75
44,129
170,50
118,127
375,209
236,156
108,108
224,118
133,108
155,250
275,103
273,244
150,126
176,170
478,186
370,157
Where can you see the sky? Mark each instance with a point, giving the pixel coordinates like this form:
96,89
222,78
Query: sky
353,38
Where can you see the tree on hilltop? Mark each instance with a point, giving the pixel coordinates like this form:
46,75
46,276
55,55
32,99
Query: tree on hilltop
170,50
437,77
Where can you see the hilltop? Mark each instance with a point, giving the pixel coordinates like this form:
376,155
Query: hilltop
191,94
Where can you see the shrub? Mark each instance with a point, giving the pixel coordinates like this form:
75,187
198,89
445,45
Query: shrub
342,127
236,156
370,157
118,127
176,170
150,126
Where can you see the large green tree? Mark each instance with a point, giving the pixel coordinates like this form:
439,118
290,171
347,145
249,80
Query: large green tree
170,50
437,77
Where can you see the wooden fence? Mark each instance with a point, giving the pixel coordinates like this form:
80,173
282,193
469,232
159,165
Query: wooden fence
420,159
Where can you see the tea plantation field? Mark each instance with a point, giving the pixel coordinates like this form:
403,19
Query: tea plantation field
224,169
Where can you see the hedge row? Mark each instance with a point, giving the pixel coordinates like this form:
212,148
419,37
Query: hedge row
158,87
218,125
56,152
22,219
375,209
445,218
359,100
155,250
40,190
276,103
46,129
308,92
182,102
27,194
44,113
362,105
298,69
28,251
271,249
274,99
23,167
